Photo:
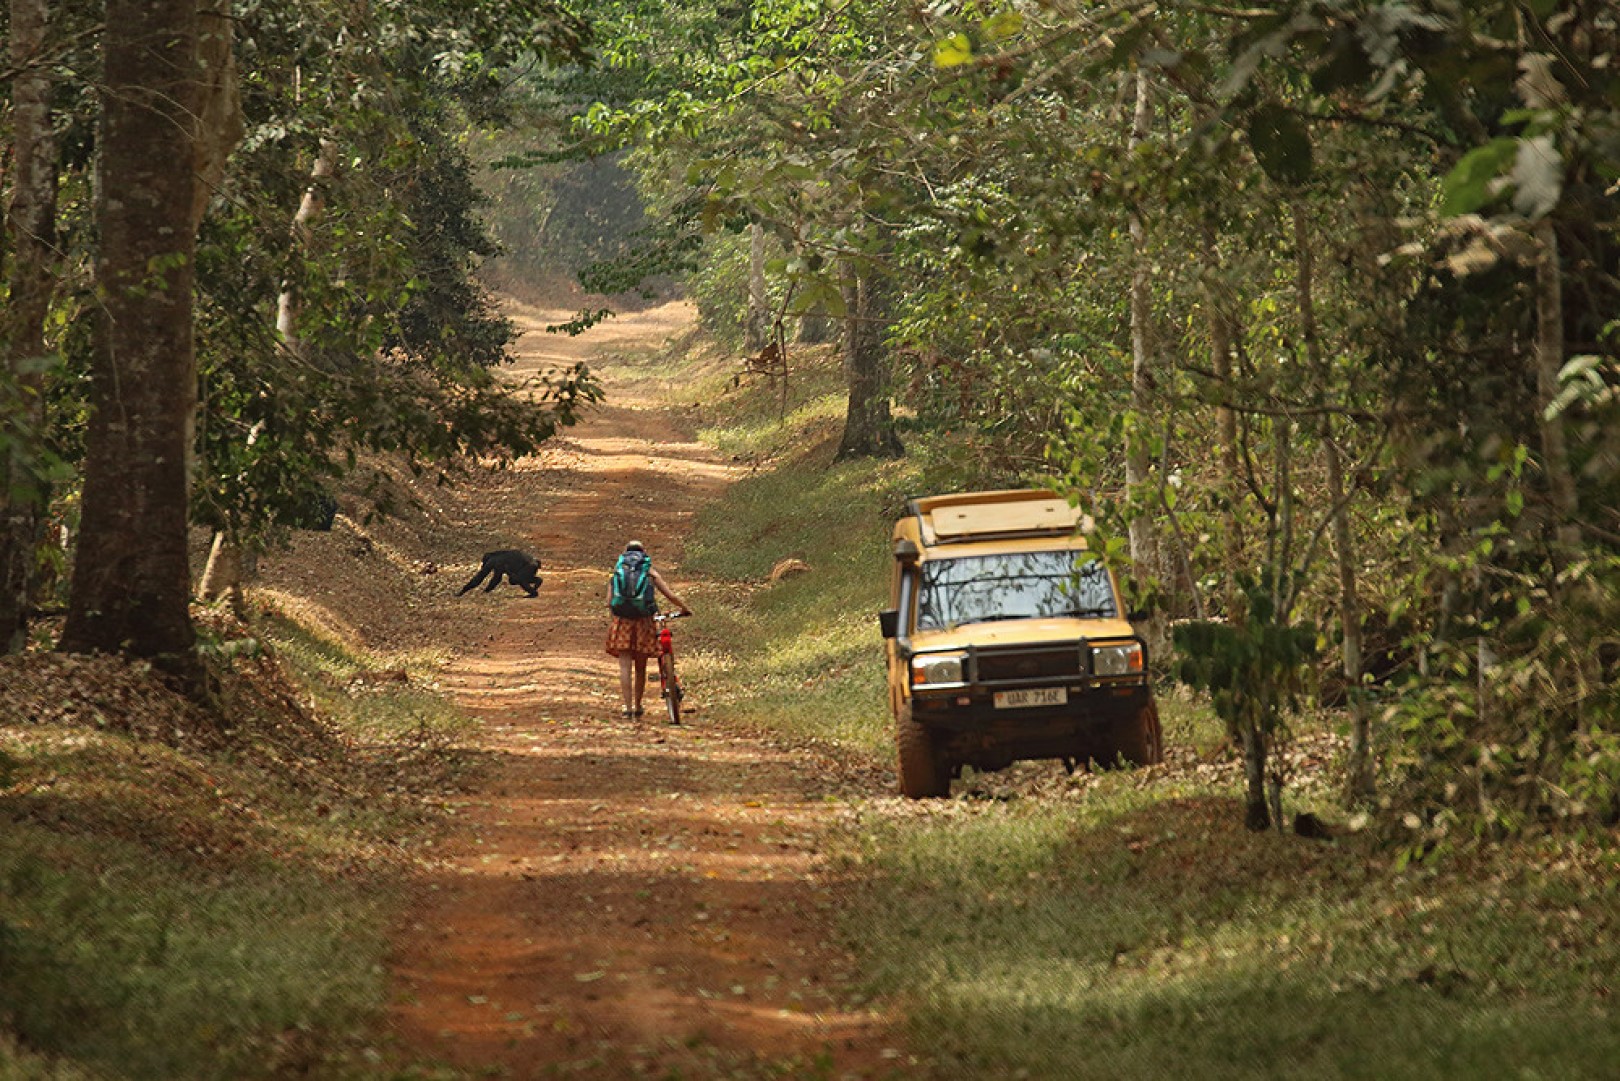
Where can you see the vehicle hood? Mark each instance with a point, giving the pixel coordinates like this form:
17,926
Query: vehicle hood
1021,632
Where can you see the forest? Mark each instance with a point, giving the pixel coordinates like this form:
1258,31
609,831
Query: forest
1312,305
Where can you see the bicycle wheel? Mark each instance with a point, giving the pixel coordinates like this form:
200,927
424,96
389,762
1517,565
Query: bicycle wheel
671,688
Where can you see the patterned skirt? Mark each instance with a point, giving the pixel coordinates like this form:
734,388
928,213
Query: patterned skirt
636,637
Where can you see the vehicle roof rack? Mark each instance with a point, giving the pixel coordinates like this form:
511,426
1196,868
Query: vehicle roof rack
1013,512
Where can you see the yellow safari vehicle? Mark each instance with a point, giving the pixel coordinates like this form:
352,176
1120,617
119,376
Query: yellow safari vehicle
1006,641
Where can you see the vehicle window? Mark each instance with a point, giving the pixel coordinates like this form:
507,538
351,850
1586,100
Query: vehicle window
1021,585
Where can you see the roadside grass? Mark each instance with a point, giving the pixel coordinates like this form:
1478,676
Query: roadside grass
370,695
126,957
187,910
1124,925
795,655
1139,935
791,655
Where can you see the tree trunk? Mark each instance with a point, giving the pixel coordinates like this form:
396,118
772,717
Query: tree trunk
31,224
1255,815
227,561
1360,773
1138,458
756,322
1549,360
290,305
1146,557
868,425
1220,351
131,580
222,574
220,125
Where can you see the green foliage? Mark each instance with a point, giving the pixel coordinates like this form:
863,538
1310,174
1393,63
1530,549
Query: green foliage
1468,186
394,340
656,251
37,466
1312,275
398,341
719,287
556,218
1281,143
1516,722
1253,667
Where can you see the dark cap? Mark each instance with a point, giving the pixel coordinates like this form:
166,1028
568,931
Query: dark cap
635,546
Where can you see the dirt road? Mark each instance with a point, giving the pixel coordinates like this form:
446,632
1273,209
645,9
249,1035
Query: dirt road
622,898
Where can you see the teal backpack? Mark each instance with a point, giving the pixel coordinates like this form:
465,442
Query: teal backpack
630,590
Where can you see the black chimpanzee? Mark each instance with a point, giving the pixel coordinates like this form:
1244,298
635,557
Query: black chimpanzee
520,568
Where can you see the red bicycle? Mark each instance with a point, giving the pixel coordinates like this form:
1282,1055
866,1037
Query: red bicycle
669,683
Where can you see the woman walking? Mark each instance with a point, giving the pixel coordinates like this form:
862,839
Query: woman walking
633,636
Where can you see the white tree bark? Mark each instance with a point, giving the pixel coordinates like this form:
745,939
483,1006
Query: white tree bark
226,561
220,125
289,305
1138,458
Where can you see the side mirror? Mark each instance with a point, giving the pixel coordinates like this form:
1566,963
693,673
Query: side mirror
889,623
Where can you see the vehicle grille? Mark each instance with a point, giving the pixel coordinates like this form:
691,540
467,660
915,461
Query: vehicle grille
1025,665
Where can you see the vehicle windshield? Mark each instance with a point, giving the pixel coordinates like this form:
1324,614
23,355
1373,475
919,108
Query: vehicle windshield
1014,585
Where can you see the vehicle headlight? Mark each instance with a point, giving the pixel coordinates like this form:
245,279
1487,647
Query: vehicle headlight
937,668
1122,660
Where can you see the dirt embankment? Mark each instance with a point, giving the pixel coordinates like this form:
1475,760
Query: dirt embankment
620,898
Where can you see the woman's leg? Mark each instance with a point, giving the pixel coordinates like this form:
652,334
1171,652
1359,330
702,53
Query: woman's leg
640,681
625,663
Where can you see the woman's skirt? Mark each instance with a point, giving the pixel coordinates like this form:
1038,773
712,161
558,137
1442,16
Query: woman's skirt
636,637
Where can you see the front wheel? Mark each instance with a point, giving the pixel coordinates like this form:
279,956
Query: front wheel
923,774
671,688
1141,743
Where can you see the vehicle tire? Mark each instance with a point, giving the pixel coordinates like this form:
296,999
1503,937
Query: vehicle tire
671,689
1141,743
923,775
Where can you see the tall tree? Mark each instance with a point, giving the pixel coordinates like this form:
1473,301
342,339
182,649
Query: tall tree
31,225
1138,455
868,424
1359,782
131,577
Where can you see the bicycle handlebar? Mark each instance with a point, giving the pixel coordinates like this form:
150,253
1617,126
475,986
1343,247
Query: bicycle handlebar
666,616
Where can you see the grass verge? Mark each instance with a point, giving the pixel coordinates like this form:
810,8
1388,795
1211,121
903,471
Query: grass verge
1135,934
180,905
810,633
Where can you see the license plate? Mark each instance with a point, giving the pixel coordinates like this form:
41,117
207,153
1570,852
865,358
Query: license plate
1032,696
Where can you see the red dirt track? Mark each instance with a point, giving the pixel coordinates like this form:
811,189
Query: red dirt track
620,898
